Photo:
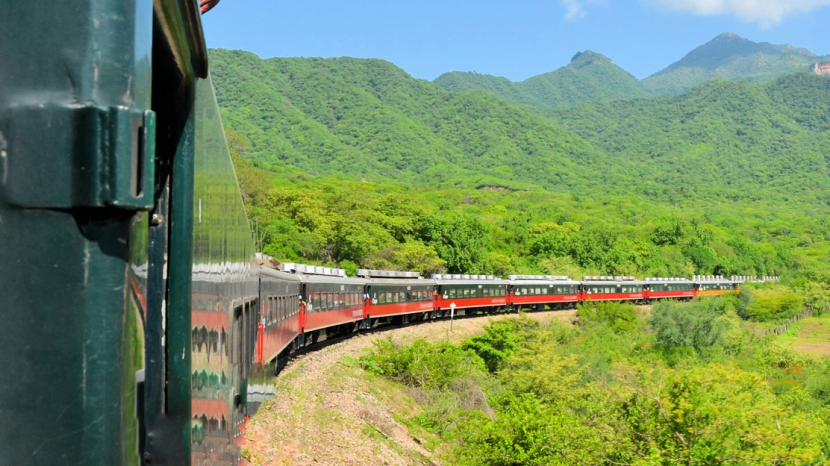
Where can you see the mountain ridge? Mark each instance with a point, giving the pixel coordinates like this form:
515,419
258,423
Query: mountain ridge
728,56
589,76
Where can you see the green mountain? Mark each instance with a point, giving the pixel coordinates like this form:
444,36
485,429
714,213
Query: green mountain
356,163
370,119
589,76
722,139
732,57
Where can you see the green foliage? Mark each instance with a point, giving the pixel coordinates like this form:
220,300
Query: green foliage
620,317
500,340
370,119
769,303
421,364
695,325
551,404
728,178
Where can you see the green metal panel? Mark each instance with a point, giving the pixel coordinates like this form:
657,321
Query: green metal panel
74,114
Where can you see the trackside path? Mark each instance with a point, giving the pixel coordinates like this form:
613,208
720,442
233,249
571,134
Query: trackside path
328,411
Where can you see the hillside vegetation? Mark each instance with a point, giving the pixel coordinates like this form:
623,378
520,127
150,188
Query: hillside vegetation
370,119
722,139
354,163
692,384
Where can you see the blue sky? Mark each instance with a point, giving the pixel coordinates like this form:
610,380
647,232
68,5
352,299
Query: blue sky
517,39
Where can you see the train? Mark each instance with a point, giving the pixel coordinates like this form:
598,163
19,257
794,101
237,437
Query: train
301,305
134,309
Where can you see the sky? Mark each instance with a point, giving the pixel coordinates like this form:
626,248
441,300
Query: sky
516,39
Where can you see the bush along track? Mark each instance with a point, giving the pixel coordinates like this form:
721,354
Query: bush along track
690,384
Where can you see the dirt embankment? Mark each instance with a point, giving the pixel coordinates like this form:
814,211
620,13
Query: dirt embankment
328,412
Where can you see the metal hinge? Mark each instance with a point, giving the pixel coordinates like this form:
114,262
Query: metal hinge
83,156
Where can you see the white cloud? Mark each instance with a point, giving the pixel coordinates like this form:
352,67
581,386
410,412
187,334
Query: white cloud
575,9
764,12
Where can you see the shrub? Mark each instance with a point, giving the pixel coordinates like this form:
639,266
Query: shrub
500,340
693,325
765,303
621,317
422,364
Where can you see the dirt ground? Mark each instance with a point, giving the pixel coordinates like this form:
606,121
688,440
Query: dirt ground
811,336
328,412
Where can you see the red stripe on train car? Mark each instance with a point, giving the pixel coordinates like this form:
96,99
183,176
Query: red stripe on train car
210,408
382,310
210,320
612,297
461,303
671,294
277,337
545,299
323,319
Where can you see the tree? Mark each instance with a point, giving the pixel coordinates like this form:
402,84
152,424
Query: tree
690,325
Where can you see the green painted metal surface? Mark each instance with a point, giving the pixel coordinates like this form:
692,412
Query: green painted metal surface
74,101
129,291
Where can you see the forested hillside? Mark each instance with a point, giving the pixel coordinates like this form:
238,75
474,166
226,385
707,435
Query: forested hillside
355,163
370,119
589,76
730,56
722,139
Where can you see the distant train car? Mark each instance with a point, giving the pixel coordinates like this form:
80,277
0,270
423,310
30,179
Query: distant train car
670,288
397,296
333,302
538,291
280,299
470,293
596,288
713,285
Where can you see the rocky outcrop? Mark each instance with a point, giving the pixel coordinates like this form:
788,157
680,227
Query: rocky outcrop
821,68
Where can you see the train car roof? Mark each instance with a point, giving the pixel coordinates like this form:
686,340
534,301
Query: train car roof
331,279
544,282
613,282
401,281
306,278
267,271
472,282
685,280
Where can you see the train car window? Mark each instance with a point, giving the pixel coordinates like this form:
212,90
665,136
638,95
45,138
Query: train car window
466,292
452,294
275,308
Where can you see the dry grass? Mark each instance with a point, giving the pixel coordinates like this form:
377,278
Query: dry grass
810,335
